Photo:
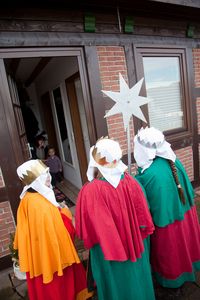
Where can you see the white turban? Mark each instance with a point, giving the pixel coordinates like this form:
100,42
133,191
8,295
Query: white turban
34,174
106,157
148,144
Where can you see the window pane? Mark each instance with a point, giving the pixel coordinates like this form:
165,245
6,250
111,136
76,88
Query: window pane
162,77
62,125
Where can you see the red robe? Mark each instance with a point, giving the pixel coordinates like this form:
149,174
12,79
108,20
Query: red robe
116,219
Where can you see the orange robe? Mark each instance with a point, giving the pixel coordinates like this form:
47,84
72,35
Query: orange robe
45,247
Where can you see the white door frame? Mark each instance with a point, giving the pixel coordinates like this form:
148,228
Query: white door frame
71,171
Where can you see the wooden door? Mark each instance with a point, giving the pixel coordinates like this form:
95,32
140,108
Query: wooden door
8,177
25,147
13,148
76,122
13,151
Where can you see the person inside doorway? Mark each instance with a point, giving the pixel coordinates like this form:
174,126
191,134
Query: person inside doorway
44,239
175,243
40,149
55,166
113,220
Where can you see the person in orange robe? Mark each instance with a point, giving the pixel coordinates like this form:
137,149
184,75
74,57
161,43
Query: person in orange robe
44,239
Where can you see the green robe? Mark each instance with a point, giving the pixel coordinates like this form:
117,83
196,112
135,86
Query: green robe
122,280
158,185
167,210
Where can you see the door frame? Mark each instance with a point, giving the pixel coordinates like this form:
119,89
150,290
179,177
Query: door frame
48,52
70,169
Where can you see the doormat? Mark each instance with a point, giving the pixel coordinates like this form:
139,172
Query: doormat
60,197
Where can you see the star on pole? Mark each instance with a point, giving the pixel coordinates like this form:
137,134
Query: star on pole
128,101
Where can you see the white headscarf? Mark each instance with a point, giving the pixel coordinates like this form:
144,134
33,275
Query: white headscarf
35,174
149,143
106,157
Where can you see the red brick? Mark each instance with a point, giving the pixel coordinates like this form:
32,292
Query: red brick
3,204
3,226
100,48
5,240
7,225
196,63
4,232
5,252
6,214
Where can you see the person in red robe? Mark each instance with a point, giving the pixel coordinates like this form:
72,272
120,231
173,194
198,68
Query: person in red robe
44,239
113,220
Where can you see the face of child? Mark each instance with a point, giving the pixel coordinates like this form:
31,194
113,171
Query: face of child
41,143
51,152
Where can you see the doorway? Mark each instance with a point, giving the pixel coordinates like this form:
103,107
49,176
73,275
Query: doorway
56,84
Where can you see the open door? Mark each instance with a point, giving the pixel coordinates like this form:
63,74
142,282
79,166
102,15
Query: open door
13,147
72,86
65,135
65,101
25,146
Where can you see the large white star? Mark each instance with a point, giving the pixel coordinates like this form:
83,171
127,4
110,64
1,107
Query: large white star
128,101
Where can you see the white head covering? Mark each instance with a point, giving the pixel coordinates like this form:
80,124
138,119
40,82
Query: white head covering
34,174
148,144
106,157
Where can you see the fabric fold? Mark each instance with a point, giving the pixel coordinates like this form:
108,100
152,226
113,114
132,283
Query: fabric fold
123,223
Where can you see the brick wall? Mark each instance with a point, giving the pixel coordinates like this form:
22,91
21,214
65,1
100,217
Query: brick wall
112,62
7,226
198,113
185,155
196,65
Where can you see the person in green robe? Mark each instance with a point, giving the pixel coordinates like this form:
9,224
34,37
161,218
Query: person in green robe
175,243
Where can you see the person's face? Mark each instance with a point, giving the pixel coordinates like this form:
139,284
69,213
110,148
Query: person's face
46,178
51,152
41,143
142,154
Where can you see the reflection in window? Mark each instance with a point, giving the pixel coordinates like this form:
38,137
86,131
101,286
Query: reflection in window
62,125
163,85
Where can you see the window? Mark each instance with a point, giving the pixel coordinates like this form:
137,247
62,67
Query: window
164,71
